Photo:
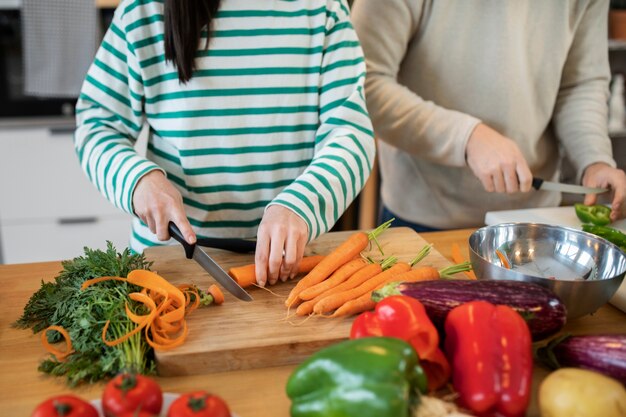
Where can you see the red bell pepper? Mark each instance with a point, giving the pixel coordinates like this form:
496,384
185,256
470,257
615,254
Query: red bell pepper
405,318
489,347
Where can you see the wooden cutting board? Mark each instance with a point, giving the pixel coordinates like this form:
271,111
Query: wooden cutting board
245,335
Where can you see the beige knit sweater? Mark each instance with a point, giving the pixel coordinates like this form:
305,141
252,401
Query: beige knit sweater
536,71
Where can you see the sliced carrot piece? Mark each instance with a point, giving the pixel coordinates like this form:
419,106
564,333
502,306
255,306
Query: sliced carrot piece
217,294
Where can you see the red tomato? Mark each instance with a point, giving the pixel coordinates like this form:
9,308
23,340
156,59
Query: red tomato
139,413
65,406
129,393
198,404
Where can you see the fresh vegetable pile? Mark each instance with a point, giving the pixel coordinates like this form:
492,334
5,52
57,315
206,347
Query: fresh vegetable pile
83,314
343,282
472,336
109,323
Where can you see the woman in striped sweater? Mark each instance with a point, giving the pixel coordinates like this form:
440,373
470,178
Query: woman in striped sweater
256,115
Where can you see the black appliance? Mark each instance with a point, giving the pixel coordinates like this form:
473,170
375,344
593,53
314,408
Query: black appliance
14,103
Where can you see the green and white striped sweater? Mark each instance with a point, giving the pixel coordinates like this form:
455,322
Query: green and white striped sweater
274,114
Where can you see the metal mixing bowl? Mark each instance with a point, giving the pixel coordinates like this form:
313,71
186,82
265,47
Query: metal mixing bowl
582,269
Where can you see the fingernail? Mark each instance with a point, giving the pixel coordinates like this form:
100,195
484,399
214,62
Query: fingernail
191,239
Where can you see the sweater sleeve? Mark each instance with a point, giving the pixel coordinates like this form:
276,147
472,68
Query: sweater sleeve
109,116
400,116
344,142
581,110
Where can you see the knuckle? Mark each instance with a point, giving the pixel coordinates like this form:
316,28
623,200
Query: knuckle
274,264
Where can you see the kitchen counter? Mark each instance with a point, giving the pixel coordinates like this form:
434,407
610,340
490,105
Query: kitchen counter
250,393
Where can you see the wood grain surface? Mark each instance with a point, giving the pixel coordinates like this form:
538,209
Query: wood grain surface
256,392
246,335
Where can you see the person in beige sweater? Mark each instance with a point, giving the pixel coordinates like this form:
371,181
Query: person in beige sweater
471,99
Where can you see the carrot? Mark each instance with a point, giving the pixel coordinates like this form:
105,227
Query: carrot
358,278
458,258
505,262
429,273
365,289
333,301
349,249
340,275
356,306
245,275
217,294
365,302
60,355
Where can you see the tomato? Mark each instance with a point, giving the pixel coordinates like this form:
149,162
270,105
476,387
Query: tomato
65,406
138,413
198,404
128,393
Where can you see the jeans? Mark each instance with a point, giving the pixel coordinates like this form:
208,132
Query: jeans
385,215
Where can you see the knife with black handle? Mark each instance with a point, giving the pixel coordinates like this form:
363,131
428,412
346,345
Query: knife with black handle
209,265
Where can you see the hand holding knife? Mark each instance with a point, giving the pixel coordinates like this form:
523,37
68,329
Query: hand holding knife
209,265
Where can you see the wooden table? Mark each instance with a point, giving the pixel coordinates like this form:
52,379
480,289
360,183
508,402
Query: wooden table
250,393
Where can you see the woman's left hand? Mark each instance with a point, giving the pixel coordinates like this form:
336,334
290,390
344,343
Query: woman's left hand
280,244
604,176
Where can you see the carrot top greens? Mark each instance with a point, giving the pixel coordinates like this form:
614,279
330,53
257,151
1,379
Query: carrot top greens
83,313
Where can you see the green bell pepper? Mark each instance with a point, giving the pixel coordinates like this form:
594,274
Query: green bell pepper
596,214
369,377
612,235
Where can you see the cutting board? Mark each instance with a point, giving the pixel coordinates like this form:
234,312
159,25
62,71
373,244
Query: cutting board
559,216
245,335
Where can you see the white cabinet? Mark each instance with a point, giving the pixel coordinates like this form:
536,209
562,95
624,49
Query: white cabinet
48,208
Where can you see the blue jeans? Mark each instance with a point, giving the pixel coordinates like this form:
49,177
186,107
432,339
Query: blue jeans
385,215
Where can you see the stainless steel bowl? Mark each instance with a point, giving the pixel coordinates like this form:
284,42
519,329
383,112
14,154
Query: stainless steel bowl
582,269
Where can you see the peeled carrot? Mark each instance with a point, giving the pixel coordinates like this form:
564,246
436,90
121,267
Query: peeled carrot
458,258
348,250
340,275
330,303
422,273
333,301
245,275
355,280
356,306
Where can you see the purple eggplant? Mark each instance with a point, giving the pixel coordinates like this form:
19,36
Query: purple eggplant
544,313
604,353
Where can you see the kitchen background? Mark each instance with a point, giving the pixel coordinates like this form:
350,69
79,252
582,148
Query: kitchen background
48,208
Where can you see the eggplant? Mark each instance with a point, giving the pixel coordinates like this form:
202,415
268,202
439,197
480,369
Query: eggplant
603,353
543,311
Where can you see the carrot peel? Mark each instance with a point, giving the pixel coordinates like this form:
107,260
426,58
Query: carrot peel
505,262
60,355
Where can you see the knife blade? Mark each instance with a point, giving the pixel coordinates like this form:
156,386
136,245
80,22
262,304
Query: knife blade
209,265
540,184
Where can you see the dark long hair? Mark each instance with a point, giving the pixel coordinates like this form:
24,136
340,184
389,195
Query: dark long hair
184,21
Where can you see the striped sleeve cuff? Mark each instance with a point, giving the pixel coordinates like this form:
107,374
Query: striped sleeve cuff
126,178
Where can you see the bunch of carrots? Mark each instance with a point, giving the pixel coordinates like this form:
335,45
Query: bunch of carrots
342,282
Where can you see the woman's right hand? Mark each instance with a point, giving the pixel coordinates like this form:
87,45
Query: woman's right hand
157,202
497,161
